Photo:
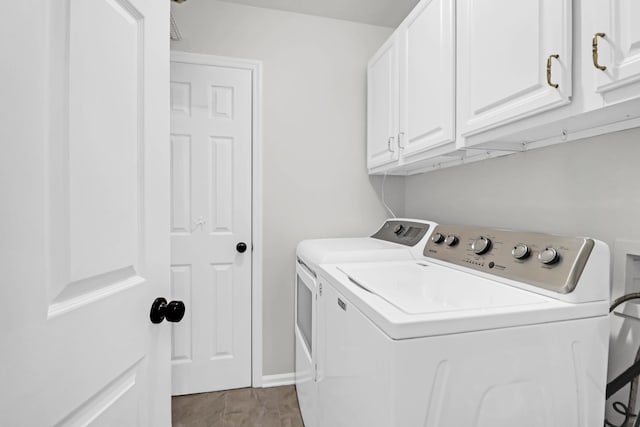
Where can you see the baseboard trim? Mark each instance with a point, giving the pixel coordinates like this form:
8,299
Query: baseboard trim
278,380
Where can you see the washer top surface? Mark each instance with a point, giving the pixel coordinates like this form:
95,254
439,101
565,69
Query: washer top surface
407,300
422,288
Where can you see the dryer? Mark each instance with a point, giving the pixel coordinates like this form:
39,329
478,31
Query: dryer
489,328
396,239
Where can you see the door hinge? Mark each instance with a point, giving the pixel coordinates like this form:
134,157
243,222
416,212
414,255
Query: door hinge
320,289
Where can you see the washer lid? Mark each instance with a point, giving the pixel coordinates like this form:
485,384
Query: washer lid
421,288
445,300
356,249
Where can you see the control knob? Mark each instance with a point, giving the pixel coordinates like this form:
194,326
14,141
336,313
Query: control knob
451,240
548,256
520,251
481,245
437,238
398,229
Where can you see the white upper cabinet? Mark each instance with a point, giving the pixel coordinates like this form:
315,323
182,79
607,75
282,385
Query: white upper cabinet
426,42
382,101
464,80
411,91
617,50
514,60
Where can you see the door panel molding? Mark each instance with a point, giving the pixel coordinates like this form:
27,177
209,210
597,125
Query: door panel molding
181,341
97,407
87,291
85,253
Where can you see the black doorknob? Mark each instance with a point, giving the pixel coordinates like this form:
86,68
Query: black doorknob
241,247
172,311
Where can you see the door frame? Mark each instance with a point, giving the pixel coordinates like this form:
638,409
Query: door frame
255,67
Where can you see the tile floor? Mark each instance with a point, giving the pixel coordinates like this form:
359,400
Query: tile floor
245,407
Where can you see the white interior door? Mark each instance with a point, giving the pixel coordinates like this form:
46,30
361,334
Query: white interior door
83,176
210,215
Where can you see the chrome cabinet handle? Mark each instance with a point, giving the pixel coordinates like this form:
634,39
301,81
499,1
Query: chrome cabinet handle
400,146
389,141
553,85
594,50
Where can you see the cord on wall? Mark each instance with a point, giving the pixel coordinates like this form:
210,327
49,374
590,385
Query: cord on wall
384,203
628,376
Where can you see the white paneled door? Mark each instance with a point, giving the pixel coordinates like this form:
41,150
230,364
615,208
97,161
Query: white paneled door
84,167
211,131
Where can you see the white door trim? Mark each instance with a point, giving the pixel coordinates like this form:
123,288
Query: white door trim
256,193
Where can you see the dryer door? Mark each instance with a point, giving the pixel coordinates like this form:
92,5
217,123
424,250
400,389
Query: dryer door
306,308
306,343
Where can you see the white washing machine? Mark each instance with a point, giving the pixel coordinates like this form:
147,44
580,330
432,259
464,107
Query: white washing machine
397,239
490,328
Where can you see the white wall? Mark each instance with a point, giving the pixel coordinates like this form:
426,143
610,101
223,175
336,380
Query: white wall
588,187
314,127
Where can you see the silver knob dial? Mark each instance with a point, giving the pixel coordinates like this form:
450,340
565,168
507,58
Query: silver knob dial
398,229
451,240
548,256
481,245
520,251
437,238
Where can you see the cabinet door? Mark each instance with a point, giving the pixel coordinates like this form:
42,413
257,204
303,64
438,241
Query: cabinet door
503,50
427,76
381,106
619,49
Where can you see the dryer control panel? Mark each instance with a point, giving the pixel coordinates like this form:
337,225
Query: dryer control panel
401,231
544,260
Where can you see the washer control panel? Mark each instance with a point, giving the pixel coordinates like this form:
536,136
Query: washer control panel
408,233
544,260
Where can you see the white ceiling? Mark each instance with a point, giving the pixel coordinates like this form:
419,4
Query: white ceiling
386,13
